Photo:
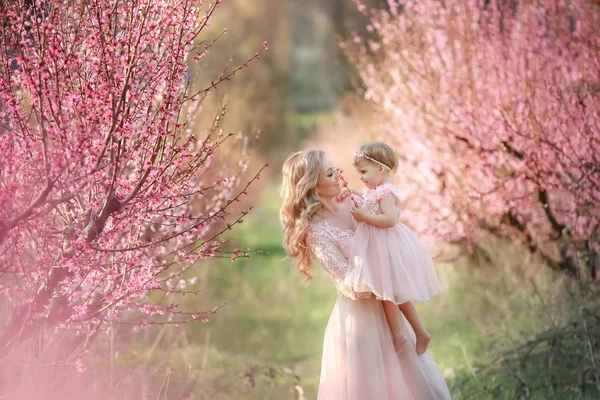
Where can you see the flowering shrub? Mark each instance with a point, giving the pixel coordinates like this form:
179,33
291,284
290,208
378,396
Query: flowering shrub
494,108
108,190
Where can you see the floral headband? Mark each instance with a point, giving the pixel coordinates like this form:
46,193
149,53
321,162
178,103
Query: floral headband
363,155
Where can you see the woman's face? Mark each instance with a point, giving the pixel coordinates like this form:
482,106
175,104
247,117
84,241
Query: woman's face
328,183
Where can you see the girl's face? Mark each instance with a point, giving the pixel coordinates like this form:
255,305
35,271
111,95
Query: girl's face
328,183
371,174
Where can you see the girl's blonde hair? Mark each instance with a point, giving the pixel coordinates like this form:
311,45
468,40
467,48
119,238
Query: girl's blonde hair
301,172
378,151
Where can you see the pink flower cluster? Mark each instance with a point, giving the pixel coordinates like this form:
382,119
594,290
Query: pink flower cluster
108,189
494,107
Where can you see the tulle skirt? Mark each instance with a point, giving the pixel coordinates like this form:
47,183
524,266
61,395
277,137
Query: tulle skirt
359,361
392,263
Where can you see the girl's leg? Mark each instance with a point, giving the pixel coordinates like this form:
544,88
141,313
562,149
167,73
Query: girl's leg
395,323
423,337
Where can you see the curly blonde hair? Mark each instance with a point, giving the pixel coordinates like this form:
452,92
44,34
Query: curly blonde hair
301,172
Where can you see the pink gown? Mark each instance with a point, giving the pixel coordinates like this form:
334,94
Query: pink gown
393,263
359,361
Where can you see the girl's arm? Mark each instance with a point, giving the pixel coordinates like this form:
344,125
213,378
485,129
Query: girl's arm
356,192
348,192
388,219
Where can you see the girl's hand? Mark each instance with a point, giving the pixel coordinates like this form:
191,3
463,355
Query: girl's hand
346,191
358,214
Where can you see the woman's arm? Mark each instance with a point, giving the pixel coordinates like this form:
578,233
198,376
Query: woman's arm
327,253
388,219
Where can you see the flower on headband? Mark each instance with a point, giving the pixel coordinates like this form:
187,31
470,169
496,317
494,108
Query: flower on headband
363,155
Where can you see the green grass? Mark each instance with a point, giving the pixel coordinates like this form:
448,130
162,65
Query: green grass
270,316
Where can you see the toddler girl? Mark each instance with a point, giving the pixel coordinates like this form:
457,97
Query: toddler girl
387,258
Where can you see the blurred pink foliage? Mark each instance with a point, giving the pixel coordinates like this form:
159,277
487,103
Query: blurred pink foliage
108,191
494,108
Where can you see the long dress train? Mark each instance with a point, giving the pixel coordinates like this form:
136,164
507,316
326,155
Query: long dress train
359,361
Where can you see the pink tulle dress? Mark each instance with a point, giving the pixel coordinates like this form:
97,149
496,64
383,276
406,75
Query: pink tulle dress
393,263
359,361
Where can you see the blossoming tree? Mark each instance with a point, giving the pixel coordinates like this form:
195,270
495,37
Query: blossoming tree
494,107
108,190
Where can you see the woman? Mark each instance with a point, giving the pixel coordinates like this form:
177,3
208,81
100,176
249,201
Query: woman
359,361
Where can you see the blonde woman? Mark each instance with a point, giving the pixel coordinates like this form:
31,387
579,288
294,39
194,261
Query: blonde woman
359,361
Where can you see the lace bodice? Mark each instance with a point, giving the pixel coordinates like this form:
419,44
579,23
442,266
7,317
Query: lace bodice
372,196
330,246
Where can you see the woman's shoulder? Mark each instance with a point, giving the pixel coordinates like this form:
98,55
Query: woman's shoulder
322,230
316,228
317,235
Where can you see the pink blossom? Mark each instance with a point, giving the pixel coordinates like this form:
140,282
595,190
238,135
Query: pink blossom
103,177
495,116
